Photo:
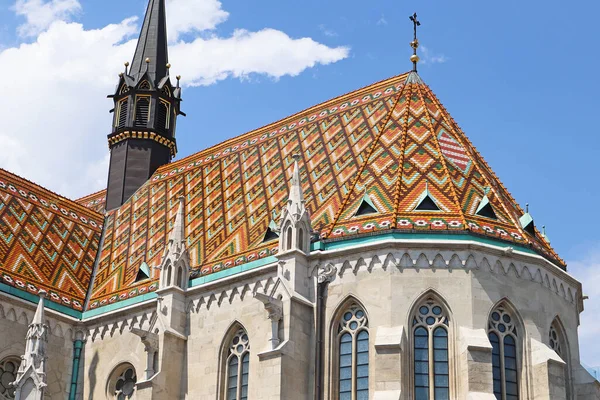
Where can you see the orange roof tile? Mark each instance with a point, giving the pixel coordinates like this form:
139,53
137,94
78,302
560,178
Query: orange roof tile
392,141
46,241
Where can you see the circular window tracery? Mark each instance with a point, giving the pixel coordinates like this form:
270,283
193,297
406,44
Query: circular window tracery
502,321
353,319
555,341
8,374
122,383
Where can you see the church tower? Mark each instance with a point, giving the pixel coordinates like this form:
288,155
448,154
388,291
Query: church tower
145,112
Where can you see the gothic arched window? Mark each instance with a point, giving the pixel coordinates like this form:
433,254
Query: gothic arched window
502,332
162,120
430,342
237,367
121,115
121,385
288,240
142,111
353,355
557,341
8,373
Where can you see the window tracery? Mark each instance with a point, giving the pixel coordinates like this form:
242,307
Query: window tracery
502,332
238,367
353,361
555,341
123,381
8,373
430,338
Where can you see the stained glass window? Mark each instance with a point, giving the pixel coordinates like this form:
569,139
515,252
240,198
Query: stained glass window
238,367
123,381
502,332
353,368
8,374
430,339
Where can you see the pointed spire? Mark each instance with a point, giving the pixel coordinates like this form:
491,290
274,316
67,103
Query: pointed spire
415,43
296,195
39,317
152,44
178,233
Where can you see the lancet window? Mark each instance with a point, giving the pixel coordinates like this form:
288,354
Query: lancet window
430,341
238,367
353,355
502,332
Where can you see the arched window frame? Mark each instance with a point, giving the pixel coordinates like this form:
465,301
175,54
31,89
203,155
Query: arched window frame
8,366
122,382
139,99
506,330
235,364
430,315
121,113
360,351
288,238
558,341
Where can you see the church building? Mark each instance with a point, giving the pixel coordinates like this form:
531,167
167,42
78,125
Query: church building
361,249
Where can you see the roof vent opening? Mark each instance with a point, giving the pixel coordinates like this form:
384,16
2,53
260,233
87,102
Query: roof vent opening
271,233
143,273
426,202
485,209
366,207
526,221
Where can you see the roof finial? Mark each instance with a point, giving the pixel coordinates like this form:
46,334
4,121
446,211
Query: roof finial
126,66
415,43
527,207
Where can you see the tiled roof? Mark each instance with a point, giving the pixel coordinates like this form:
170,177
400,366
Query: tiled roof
95,201
392,141
46,241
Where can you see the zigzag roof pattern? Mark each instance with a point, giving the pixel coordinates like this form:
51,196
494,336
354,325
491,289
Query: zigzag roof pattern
392,140
95,201
46,241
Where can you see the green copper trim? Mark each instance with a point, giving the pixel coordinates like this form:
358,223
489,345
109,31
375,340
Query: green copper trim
410,237
34,299
118,305
233,271
77,346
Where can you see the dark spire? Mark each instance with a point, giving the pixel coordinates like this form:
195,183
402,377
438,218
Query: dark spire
151,53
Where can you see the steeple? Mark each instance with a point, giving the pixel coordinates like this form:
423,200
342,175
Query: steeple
295,225
146,108
175,264
31,377
152,44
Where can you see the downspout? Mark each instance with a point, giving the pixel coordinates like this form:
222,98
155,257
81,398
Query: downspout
77,346
319,374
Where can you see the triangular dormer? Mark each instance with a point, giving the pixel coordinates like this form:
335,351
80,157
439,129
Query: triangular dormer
366,207
426,201
271,233
143,272
485,208
526,222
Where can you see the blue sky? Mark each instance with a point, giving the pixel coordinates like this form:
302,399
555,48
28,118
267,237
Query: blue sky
519,77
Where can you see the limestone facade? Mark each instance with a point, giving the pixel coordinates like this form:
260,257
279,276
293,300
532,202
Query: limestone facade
387,279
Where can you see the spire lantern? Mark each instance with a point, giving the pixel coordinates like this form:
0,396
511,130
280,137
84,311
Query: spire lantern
146,109
415,43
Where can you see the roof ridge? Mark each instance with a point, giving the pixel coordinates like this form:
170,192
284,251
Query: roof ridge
356,178
90,195
27,182
477,156
215,147
441,155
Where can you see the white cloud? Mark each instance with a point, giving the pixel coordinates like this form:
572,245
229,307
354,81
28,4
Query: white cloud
190,16
40,14
587,271
382,20
429,57
55,118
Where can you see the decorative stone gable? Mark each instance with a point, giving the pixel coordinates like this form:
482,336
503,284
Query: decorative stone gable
30,383
175,264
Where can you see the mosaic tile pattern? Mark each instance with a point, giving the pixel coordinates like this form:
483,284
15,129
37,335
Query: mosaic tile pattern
95,201
389,140
46,241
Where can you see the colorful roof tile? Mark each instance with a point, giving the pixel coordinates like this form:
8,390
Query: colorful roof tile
95,201
391,141
46,241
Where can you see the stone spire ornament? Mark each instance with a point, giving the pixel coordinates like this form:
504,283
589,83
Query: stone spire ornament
175,265
30,383
295,227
